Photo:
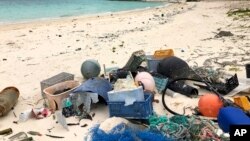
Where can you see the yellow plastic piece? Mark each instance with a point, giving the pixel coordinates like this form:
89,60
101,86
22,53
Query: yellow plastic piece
243,102
163,53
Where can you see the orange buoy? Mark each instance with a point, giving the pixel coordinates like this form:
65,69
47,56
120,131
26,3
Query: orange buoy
209,105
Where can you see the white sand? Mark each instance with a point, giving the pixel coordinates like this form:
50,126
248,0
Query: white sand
34,52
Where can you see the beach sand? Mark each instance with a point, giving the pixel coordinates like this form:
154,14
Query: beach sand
34,51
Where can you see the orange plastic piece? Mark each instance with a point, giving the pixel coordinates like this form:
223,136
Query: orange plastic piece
163,53
209,105
243,102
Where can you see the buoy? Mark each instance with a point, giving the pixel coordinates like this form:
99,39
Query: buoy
143,75
90,68
173,67
146,79
209,105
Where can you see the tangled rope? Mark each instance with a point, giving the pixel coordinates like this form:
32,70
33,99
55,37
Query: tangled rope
183,128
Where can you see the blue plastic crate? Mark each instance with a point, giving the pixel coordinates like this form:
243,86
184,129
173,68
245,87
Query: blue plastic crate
139,110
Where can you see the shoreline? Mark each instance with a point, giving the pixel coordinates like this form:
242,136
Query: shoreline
81,17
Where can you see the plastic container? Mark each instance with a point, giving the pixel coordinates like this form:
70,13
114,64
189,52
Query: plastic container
64,89
232,116
152,63
61,77
163,53
139,110
122,95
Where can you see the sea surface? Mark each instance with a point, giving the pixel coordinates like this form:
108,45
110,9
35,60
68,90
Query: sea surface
27,10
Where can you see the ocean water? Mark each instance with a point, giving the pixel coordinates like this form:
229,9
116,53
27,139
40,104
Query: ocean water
26,10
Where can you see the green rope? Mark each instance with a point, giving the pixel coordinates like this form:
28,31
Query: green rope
183,128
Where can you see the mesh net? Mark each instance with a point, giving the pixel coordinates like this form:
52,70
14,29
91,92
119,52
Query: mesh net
124,133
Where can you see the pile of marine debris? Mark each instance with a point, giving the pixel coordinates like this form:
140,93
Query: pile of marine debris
129,93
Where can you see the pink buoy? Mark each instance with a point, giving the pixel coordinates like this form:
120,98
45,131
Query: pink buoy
143,75
146,79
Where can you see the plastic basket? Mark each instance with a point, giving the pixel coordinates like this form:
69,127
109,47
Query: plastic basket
139,110
160,83
61,77
135,61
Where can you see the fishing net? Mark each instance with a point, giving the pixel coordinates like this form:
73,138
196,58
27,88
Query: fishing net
122,132
180,128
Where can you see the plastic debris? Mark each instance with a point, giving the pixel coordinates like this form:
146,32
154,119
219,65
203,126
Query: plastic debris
135,60
53,136
37,113
34,133
61,119
184,128
8,98
18,136
95,85
6,131
122,132
129,96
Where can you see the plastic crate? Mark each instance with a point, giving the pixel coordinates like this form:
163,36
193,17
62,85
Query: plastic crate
160,83
152,63
139,110
61,77
135,61
122,95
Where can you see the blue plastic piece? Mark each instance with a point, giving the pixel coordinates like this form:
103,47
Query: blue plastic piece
138,110
231,116
97,85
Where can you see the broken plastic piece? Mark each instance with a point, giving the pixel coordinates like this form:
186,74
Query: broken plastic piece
18,136
6,131
27,139
243,102
95,85
53,136
61,119
135,60
223,88
37,113
163,53
34,133
182,88
24,116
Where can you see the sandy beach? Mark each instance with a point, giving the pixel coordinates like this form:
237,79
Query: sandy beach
34,51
